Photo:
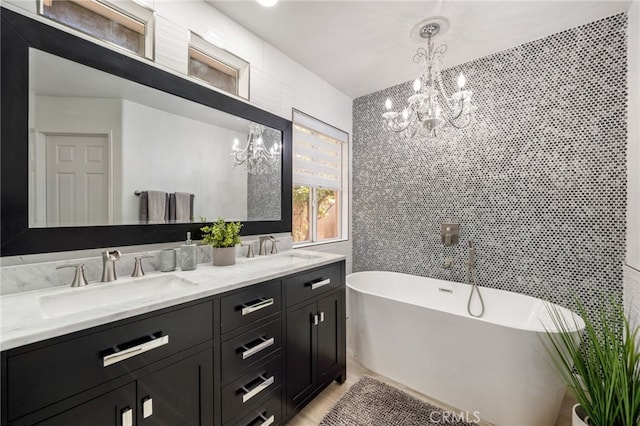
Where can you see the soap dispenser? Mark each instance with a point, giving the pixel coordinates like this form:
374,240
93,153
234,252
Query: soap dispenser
188,255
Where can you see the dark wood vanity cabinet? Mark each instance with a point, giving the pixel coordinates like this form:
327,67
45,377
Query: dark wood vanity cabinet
253,356
178,394
152,370
316,352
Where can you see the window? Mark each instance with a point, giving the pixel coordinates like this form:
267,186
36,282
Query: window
127,25
320,184
217,67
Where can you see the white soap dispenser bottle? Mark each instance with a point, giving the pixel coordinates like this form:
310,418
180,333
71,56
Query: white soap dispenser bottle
188,255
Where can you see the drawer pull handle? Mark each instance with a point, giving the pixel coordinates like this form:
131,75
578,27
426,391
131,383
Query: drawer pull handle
266,421
147,407
134,351
127,417
257,306
255,391
257,348
320,284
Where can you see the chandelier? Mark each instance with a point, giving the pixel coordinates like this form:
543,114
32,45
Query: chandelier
429,108
258,159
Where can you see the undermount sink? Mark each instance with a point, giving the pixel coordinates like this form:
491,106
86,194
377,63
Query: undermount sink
286,258
99,295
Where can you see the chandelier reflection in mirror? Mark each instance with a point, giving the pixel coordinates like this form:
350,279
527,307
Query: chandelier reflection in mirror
429,108
258,158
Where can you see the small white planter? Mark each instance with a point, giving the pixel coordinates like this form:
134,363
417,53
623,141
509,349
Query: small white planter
576,418
224,256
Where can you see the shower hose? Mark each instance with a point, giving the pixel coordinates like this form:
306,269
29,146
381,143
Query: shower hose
472,279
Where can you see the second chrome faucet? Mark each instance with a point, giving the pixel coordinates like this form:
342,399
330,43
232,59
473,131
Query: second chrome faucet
263,245
109,259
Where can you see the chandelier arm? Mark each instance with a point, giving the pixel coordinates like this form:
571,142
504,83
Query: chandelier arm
462,126
393,125
450,102
240,157
420,53
440,50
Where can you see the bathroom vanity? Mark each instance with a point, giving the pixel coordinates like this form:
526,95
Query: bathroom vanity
249,344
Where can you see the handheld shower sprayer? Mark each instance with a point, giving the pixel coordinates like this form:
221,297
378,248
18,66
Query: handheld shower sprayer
472,280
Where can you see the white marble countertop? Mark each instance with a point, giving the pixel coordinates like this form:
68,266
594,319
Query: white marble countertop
25,318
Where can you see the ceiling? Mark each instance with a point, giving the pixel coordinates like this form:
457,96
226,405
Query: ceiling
361,46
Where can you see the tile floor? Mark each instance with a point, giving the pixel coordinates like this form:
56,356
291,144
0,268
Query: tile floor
315,411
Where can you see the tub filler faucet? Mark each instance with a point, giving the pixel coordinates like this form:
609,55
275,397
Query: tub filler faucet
472,279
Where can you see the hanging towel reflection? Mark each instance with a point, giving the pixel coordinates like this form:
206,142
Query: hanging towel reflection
154,207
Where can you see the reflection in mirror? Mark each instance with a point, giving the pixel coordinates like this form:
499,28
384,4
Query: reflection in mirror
107,151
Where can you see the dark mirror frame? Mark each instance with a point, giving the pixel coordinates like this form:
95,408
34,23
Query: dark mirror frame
19,33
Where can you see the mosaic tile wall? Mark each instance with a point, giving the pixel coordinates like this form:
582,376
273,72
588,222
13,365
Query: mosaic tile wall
539,182
263,191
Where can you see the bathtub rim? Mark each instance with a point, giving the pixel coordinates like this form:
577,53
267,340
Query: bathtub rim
572,318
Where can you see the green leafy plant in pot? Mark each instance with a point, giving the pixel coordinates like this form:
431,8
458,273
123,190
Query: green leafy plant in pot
601,366
224,237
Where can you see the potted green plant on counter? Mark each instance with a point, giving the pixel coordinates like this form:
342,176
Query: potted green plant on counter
601,366
224,237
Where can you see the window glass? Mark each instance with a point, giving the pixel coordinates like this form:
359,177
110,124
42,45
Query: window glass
328,217
218,67
99,20
301,213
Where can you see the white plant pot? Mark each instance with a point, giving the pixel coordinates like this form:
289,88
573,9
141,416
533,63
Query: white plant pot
224,256
576,419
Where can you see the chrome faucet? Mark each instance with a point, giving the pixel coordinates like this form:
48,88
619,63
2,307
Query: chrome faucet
109,265
274,248
263,245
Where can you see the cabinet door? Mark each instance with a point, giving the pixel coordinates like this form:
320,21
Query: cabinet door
106,410
180,394
329,336
301,363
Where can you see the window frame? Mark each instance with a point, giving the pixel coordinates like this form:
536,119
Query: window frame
131,9
223,57
343,200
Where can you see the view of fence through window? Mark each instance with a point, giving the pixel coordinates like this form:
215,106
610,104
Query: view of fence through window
317,180
327,216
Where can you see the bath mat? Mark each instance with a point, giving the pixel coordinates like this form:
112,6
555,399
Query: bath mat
370,402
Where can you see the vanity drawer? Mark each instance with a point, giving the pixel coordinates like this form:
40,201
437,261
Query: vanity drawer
245,350
246,306
310,284
251,389
55,372
267,413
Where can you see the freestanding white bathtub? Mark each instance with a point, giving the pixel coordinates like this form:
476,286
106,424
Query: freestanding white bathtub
417,331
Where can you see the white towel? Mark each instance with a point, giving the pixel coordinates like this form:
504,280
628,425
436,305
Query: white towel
183,207
157,206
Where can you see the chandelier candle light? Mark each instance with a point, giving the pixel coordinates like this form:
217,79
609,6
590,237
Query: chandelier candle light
255,155
429,107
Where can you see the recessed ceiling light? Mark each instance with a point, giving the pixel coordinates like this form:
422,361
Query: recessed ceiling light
267,3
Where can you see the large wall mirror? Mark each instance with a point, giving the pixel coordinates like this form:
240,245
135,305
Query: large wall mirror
102,150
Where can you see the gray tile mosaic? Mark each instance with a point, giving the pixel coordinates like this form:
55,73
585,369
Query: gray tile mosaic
539,181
